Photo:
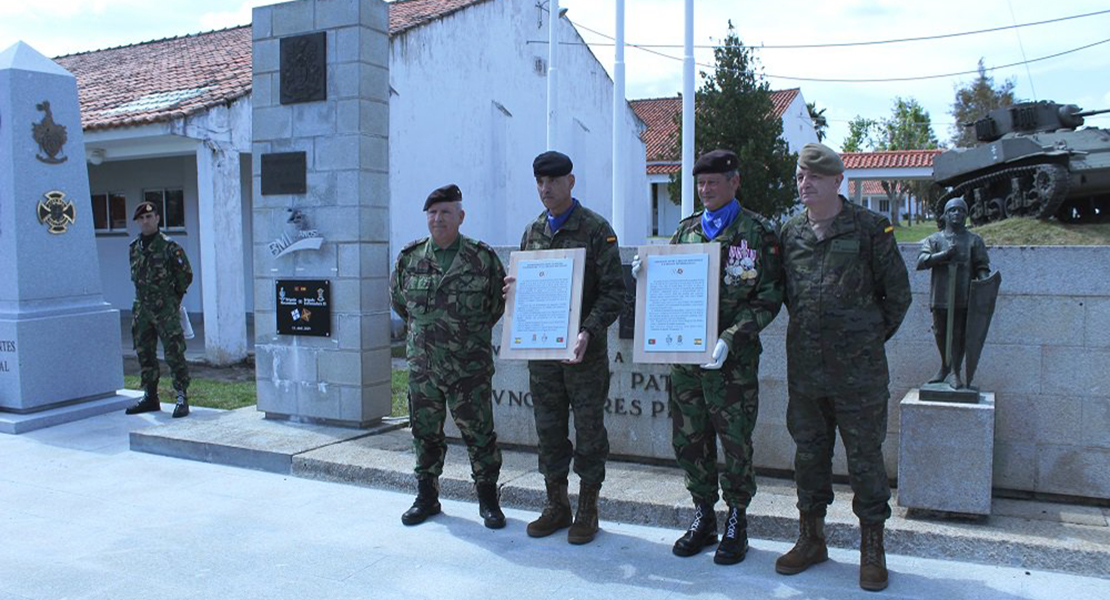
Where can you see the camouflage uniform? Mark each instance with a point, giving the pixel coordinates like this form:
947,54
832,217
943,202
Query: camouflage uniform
450,313
583,388
706,404
847,294
161,274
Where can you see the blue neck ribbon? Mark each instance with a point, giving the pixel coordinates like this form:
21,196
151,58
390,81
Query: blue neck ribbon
556,222
715,221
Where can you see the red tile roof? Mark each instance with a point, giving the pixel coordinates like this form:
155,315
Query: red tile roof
168,79
871,187
660,135
894,159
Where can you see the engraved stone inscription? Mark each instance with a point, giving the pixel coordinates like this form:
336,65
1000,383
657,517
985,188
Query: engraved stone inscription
6,347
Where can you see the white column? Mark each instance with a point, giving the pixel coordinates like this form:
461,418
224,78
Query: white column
220,206
688,115
620,162
552,76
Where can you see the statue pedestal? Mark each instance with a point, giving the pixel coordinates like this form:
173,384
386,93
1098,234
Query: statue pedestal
946,454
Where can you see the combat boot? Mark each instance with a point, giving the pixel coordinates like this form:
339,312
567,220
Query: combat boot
488,507
426,503
872,557
702,532
734,543
556,513
585,520
810,548
148,403
181,408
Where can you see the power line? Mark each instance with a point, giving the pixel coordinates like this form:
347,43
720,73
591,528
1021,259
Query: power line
863,80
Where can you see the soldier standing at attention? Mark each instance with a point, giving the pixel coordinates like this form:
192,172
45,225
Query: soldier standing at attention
161,274
721,398
847,291
447,289
579,385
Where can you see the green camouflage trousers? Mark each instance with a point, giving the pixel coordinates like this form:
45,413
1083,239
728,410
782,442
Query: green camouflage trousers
557,389
146,329
706,405
862,423
471,405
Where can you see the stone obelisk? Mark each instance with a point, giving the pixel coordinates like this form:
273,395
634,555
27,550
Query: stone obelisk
60,357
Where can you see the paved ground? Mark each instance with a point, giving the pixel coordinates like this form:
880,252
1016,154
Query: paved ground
84,517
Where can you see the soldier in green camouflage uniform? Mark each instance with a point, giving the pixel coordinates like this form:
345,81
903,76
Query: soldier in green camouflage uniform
161,274
447,288
579,386
721,399
847,291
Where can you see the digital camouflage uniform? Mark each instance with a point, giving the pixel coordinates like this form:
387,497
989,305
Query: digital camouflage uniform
582,388
847,294
706,404
450,314
161,274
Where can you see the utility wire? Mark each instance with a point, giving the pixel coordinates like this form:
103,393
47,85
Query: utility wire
864,80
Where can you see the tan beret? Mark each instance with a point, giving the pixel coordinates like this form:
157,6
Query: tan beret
820,159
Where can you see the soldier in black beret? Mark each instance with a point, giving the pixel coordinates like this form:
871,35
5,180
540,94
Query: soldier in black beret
447,193
552,164
717,161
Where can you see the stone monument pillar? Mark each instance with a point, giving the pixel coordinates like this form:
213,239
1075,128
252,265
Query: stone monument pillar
60,357
321,210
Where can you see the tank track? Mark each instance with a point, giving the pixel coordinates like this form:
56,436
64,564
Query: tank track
1042,200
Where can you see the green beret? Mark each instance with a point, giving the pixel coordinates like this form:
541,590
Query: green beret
552,164
717,161
820,159
447,193
144,208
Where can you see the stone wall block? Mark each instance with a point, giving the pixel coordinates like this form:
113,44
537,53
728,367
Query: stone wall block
375,331
340,368
266,57
374,117
314,118
1067,469
262,95
1095,422
273,123
374,225
336,13
376,365
346,296
375,15
348,260
343,81
375,293
1076,371
1097,324
373,151
318,400
1038,320
261,23
337,153
1015,465
292,18
374,261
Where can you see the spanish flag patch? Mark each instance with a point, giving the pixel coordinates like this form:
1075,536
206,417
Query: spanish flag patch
889,229
611,239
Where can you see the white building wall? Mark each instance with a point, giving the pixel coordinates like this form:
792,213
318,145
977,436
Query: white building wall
469,107
797,127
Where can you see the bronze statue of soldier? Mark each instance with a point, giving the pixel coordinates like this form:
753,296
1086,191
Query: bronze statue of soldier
958,259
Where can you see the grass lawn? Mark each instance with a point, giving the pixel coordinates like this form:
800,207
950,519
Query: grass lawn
916,232
209,393
1034,232
399,385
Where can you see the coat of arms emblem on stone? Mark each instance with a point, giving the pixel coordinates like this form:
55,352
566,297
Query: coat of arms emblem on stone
50,136
56,212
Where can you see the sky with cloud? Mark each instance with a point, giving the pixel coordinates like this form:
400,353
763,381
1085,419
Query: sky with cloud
1083,77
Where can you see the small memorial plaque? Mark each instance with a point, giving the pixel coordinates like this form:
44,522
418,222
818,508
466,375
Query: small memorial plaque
676,303
304,307
304,68
284,173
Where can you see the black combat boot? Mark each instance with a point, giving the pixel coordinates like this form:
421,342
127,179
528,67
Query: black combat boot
488,507
810,548
702,532
148,403
584,528
734,543
426,503
556,513
181,408
872,557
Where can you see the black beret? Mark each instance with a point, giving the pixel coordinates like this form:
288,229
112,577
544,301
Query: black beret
447,193
144,208
717,161
820,159
552,164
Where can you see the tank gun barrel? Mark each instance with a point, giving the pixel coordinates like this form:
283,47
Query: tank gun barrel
1088,113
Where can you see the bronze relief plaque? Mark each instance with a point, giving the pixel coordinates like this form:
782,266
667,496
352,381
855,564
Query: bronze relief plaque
304,68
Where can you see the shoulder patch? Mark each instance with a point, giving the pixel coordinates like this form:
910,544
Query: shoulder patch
888,229
611,239
413,244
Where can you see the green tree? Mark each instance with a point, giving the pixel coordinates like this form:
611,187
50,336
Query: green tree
820,123
735,111
975,99
907,128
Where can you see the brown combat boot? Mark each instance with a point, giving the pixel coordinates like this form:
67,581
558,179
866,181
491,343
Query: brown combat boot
556,513
810,548
585,520
872,557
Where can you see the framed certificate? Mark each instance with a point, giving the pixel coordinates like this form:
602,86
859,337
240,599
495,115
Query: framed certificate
543,308
676,303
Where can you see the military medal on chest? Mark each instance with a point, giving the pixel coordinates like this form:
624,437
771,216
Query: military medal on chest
741,262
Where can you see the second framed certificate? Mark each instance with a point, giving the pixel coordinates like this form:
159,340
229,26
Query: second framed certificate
676,303
543,308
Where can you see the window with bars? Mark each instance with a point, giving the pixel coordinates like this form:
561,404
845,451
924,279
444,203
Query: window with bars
109,213
171,204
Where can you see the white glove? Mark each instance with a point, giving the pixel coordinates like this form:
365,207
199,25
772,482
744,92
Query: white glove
720,353
637,264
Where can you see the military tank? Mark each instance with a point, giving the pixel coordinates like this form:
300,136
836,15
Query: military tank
1032,160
